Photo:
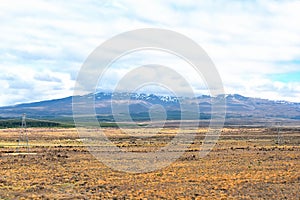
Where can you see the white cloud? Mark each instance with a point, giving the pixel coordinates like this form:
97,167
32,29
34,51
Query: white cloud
22,84
49,40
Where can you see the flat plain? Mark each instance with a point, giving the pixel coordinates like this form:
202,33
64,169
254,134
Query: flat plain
246,163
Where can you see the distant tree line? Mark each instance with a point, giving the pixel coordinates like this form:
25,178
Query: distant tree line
16,123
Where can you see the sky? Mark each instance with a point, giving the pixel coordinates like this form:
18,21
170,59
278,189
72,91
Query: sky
255,45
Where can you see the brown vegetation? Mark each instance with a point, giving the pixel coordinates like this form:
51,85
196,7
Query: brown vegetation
245,164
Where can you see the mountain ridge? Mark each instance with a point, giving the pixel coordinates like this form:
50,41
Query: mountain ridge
237,106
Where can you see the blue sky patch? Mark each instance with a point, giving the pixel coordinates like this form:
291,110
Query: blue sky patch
286,77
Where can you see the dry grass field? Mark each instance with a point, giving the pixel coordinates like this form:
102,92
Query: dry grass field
246,163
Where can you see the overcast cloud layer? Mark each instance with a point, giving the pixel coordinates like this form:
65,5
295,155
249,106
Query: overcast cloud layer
254,44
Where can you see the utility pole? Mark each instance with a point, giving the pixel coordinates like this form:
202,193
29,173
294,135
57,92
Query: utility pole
23,136
279,136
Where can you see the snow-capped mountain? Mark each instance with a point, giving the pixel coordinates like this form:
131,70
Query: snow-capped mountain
237,106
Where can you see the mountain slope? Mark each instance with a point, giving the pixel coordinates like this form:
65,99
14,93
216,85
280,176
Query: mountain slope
237,106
